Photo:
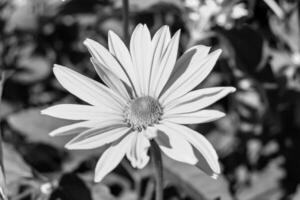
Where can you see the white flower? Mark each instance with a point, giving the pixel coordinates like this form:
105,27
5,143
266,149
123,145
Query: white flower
149,96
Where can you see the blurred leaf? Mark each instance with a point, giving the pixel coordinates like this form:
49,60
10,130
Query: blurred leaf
265,184
196,184
288,29
279,60
32,69
15,167
36,126
71,187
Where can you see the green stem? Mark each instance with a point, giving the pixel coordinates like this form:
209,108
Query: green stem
158,169
126,21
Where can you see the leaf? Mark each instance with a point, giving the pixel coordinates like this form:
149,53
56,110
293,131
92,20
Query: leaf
197,184
15,166
265,185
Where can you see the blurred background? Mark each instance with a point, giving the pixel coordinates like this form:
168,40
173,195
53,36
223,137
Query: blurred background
258,142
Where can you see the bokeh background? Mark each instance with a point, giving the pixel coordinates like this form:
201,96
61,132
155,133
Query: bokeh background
258,142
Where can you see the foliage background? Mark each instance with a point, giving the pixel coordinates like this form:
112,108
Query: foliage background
258,142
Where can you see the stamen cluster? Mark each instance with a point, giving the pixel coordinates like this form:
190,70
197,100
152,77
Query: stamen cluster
142,112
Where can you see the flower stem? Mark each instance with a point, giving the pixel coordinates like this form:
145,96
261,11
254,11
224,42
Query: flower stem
126,21
158,169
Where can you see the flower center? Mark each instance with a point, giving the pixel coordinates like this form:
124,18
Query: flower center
142,112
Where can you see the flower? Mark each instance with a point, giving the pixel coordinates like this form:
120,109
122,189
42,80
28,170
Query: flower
148,96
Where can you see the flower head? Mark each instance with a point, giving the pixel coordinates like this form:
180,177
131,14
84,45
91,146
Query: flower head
148,96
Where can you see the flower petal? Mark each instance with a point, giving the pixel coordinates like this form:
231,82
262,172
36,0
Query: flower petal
141,50
112,157
103,56
174,145
120,51
201,116
74,128
184,63
204,151
87,89
197,99
99,136
81,112
195,74
137,153
111,80
160,42
166,64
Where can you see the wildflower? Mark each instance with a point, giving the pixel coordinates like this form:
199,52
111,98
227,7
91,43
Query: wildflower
149,96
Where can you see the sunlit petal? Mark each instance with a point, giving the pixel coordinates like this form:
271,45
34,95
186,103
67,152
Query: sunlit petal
137,153
166,64
201,116
87,89
99,136
160,42
81,112
141,54
103,56
191,77
174,145
112,157
197,99
120,51
74,128
184,63
111,80
204,151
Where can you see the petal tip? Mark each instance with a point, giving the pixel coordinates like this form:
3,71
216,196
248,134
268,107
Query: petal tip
87,42
44,112
98,178
215,176
52,134
232,89
70,145
221,114
57,67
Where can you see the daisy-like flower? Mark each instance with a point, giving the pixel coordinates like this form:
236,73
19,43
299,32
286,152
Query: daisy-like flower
148,96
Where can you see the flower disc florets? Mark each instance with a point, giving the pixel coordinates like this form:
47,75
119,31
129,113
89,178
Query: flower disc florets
142,112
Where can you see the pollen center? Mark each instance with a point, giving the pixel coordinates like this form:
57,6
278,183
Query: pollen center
143,112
